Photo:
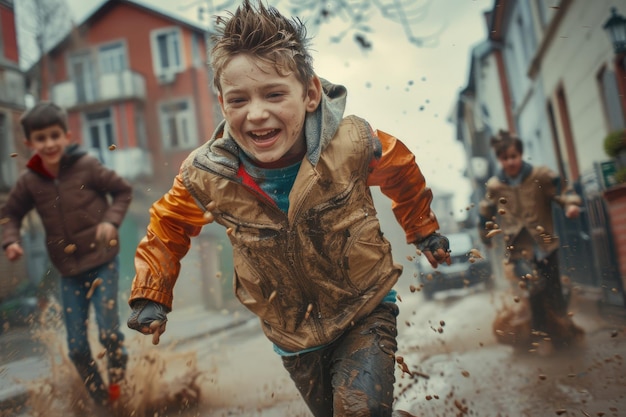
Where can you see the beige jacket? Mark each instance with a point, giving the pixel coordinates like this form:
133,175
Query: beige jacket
524,212
308,274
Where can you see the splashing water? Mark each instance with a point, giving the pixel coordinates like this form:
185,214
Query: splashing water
158,382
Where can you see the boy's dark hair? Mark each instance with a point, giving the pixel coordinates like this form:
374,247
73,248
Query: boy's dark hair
504,140
266,34
44,114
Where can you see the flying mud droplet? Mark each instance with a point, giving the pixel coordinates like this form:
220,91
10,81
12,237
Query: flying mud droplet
112,147
309,308
95,284
208,216
70,249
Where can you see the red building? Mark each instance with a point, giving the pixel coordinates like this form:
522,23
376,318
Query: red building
12,149
136,85
134,80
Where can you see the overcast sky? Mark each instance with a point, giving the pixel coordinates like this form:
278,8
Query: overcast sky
400,88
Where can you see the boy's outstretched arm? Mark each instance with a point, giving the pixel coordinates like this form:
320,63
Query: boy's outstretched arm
566,197
400,179
174,219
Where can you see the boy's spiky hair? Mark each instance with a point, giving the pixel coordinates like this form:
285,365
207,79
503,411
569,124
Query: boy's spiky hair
44,114
266,34
504,140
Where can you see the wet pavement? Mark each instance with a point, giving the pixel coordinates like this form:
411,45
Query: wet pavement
461,369
30,353
456,367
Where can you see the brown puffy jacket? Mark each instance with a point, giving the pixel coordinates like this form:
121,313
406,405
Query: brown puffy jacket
310,273
70,206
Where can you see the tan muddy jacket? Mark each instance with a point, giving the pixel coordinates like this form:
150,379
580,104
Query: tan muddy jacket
524,212
310,273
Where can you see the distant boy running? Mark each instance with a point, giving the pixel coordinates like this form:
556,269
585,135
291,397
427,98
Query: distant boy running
520,197
70,190
289,178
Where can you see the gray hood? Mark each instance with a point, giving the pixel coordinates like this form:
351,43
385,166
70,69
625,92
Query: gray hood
321,125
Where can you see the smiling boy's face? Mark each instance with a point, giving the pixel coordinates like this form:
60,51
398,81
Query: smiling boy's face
265,110
511,161
49,143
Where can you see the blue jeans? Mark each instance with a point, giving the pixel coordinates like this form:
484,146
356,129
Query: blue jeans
76,304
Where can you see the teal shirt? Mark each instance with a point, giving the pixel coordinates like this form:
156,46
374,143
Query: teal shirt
276,183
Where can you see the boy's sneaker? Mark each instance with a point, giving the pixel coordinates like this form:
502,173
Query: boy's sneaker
114,392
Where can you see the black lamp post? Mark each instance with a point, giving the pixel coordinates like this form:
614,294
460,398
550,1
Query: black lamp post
616,28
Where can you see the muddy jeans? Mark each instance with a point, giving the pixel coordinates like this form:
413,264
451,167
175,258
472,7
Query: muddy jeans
76,303
549,306
354,376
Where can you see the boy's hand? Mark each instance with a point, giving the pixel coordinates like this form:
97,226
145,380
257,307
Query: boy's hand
14,251
106,232
148,317
572,211
436,248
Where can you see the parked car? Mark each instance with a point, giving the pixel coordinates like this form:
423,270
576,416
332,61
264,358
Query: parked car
469,267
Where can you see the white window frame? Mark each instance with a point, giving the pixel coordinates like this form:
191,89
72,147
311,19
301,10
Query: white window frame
102,152
116,52
174,40
185,124
8,170
89,75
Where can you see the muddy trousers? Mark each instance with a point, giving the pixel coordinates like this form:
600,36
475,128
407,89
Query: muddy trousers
77,301
549,306
353,376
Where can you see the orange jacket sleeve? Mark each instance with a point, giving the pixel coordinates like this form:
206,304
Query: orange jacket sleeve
174,219
400,179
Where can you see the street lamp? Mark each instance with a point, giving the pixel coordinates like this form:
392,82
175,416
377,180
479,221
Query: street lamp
616,28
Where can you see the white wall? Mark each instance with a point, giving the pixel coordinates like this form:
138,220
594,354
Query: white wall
579,49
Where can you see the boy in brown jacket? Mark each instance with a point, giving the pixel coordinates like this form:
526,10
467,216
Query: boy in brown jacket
70,190
518,203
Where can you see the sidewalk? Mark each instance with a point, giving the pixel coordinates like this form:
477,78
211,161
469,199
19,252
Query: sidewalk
23,359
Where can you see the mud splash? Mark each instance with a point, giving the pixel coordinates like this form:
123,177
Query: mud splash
159,382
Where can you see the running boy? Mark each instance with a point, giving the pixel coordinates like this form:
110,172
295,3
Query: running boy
520,198
288,176
70,191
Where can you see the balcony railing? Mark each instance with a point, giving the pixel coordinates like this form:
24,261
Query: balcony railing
132,163
116,86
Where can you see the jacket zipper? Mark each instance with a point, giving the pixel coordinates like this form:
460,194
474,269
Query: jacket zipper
294,266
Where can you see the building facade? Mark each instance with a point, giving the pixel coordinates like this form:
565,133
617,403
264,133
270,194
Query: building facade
12,149
559,83
136,85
